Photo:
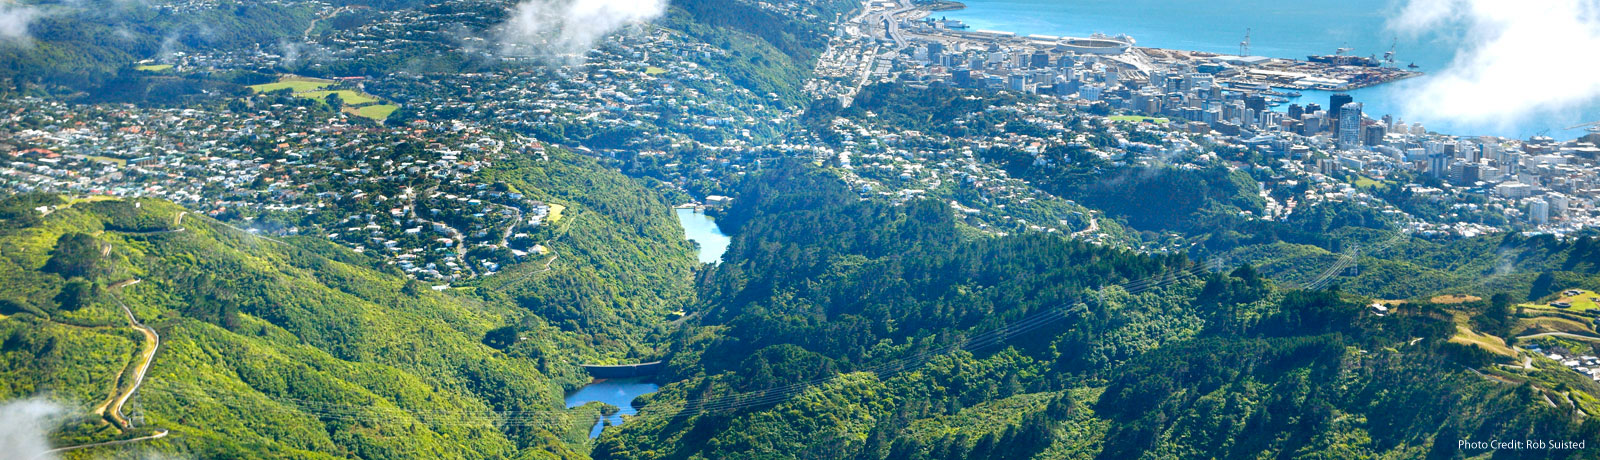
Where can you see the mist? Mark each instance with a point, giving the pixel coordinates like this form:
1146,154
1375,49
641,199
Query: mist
25,426
1515,59
567,29
14,21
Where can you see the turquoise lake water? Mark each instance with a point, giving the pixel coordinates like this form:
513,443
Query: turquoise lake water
616,392
702,229
1277,29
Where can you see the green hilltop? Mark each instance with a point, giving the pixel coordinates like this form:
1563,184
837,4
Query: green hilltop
296,348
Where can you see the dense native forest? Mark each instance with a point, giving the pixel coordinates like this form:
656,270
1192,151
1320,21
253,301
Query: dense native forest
834,328
866,300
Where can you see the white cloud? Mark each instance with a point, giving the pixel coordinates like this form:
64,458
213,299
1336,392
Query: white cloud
569,28
14,21
1516,58
25,425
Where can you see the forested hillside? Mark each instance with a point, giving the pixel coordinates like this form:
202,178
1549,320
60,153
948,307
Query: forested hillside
866,301
298,348
618,263
83,45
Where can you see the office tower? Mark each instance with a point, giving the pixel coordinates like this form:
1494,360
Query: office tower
1338,100
1335,103
1255,102
1437,164
1372,135
1040,60
1349,125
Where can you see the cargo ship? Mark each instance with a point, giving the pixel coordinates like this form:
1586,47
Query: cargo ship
1342,57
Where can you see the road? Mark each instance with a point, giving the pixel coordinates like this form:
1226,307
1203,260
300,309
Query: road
157,435
306,36
505,237
1094,226
147,356
1564,335
891,17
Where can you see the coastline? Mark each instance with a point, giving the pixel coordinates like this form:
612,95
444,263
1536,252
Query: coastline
1406,76
942,5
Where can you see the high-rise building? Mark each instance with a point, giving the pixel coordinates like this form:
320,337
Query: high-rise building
1314,122
962,77
1372,135
1295,111
1458,172
1255,102
1350,125
1539,212
1337,102
1471,173
1438,163
1559,204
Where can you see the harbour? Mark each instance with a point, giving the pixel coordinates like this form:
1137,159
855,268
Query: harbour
1355,31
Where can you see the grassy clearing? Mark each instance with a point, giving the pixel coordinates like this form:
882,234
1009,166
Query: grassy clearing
653,71
1539,324
1496,345
349,97
377,112
297,86
90,199
1454,299
1466,336
153,67
355,102
555,212
1582,300
101,159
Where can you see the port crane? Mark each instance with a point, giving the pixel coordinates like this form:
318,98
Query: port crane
1244,46
1388,56
1593,126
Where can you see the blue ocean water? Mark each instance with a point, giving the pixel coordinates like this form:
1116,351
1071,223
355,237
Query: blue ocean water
1277,29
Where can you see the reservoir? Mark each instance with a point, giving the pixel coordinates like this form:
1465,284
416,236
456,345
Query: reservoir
616,392
1277,29
702,229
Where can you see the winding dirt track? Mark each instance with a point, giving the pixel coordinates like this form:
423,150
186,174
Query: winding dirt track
152,342
157,435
